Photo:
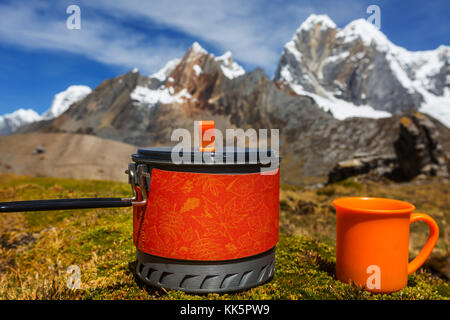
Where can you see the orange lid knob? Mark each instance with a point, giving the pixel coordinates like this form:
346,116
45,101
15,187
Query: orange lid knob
206,143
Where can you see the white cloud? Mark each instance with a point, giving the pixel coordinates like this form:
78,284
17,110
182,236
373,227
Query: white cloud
255,31
100,39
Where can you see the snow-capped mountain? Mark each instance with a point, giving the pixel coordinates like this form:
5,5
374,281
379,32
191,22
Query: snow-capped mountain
175,80
10,123
145,110
351,72
162,74
63,100
357,71
180,81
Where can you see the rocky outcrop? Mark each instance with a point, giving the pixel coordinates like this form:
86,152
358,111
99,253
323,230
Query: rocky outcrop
377,166
417,151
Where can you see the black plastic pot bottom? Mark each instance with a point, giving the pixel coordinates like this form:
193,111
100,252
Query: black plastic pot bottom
205,276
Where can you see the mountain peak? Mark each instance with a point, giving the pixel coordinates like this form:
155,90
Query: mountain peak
227,56
229,68
63,100
339,68
25,114
195,52
367,32
197,48
163,73
313,20
10,122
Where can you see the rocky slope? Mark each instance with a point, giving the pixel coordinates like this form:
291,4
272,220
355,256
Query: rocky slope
360,66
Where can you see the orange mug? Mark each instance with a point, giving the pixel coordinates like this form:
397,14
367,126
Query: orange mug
372,241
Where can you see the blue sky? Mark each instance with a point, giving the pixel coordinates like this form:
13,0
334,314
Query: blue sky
40,57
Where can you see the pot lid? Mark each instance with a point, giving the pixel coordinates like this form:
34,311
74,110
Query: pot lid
229,155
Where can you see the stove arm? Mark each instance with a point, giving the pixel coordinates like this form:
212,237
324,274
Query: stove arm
137,175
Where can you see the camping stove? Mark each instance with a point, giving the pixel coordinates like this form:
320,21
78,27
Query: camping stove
204,227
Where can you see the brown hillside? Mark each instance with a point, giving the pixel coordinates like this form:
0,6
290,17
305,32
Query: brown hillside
68,155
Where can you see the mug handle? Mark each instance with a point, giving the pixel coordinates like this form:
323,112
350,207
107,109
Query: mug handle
429,245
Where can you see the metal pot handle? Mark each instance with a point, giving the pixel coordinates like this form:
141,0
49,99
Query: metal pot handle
63,204
137,175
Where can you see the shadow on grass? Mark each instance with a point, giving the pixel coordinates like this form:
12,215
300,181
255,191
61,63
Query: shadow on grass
322,263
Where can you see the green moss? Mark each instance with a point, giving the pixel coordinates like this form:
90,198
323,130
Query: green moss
99,241
326,191
349,183
290,187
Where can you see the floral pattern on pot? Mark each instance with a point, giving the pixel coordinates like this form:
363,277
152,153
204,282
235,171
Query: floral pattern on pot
208,217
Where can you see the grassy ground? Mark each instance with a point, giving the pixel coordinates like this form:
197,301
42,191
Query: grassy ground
36,248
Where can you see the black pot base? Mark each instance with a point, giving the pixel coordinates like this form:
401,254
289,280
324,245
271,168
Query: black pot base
205,276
